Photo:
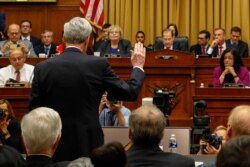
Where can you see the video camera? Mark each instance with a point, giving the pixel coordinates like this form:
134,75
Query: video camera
199,117
2,113
161,100
212,138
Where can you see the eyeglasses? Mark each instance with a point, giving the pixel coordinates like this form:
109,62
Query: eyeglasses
16,58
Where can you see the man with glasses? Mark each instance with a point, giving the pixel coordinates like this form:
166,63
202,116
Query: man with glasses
203,44
17,70
26,29
14,41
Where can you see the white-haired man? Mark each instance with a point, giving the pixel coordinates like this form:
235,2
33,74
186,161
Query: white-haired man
73,84
41,133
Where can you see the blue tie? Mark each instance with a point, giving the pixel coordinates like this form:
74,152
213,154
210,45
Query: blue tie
46,51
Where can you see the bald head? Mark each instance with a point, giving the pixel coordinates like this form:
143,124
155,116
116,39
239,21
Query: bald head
147,125
17,58
14,32
239,121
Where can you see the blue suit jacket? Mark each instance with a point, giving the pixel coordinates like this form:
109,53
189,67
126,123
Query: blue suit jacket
242,47
40,49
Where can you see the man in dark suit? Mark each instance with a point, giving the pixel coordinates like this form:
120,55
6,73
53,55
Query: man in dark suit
146,129
203,43
168,42
236,43
47,46
73,84
41,133
26,28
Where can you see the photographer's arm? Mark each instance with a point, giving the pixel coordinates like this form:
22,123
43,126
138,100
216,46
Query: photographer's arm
119,115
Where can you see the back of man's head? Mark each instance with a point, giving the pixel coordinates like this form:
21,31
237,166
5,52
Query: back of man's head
238,121
77,30
147,125
235,153
41,129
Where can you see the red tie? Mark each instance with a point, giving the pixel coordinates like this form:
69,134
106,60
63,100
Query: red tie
203,50
17,75
220,50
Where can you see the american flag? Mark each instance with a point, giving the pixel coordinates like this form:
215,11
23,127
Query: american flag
93,11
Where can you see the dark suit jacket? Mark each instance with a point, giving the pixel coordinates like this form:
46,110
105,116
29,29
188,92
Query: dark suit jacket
242,47
124,47
196,49
150,156
73,84
40,49
43,161
215,52
35,41
176,46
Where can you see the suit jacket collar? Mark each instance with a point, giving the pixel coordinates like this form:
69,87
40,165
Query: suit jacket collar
145,147
36,160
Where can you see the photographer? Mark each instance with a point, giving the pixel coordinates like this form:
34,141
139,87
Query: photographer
113,113
10,131
208,148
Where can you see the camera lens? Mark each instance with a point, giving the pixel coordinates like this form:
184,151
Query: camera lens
2,112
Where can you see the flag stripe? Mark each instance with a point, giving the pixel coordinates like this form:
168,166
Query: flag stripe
93,11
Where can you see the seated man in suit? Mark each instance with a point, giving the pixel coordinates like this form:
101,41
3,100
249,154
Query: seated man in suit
18,69
218,44
41,133
236,43
14,41
113,113
26,28
146,129
168,42
47,46
203,43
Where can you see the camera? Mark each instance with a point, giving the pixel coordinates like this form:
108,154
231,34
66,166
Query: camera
161,100
14,46
199,118
212,138
2,113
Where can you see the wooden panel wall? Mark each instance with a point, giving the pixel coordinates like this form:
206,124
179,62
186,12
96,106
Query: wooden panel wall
49,16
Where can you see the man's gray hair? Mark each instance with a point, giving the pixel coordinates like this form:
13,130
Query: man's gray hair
76,30
41,128
147,125
81,162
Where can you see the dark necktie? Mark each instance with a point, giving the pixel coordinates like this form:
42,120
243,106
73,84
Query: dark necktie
110,118
46,51
220,50
17,75
203,50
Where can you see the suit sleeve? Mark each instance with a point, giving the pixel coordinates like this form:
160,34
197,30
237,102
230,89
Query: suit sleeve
35,96
119,89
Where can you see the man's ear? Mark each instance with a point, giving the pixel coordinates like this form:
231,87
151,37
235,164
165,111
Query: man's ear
229,132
